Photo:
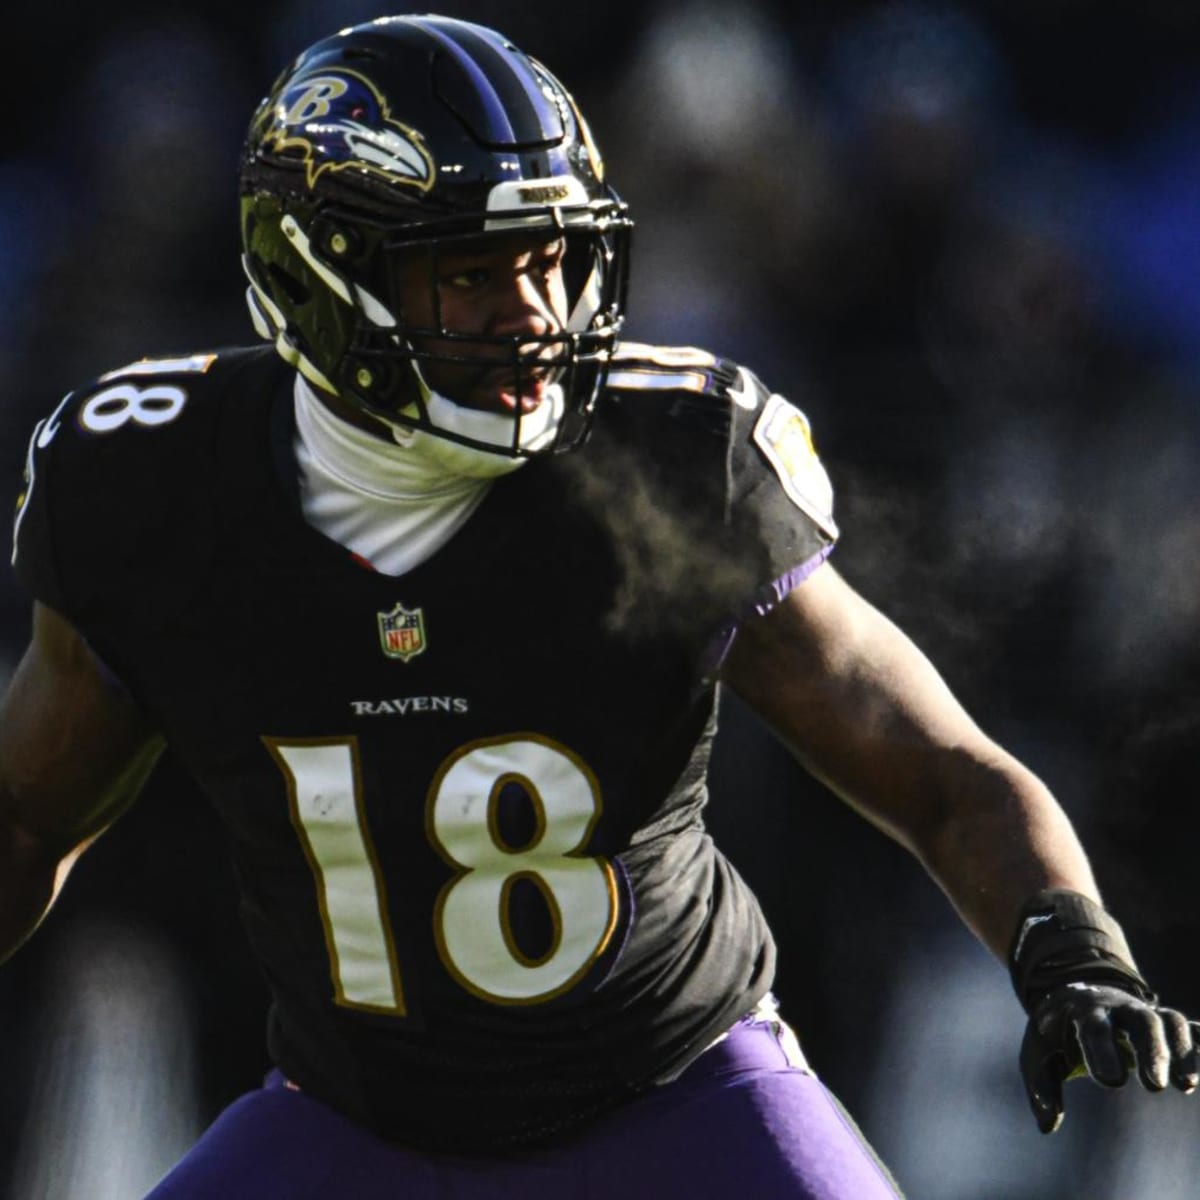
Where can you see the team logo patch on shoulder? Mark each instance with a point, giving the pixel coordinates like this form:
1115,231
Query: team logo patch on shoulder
402,632
784,436
336,120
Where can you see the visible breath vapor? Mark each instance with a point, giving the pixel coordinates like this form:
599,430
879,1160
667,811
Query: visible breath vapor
674,577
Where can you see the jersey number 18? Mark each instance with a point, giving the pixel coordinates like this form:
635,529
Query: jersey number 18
471,916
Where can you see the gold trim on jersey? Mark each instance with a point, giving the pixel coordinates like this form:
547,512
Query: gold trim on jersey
471,925
354,853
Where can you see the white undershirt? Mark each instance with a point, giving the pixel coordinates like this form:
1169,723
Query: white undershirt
373,496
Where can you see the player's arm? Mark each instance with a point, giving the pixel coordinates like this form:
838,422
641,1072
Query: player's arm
866,712
74,751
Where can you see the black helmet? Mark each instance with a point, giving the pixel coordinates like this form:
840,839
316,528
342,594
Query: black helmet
409,136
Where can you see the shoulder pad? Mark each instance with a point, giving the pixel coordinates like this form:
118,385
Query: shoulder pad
151,393
637,366
760,427
114,465
187,365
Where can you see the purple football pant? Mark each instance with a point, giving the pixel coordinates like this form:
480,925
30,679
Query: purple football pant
746,1121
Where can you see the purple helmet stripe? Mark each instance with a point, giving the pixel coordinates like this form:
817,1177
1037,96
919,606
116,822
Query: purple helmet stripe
487,60
546,115
500,127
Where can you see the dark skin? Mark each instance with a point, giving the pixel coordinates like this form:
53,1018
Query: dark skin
857,702
866,713
501,287
512,286
74,752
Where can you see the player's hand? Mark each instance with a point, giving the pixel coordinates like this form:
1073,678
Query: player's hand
1104,1032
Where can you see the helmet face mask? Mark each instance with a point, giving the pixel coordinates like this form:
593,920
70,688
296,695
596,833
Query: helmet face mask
354,223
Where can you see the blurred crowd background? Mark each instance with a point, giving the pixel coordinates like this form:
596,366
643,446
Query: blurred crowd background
965,238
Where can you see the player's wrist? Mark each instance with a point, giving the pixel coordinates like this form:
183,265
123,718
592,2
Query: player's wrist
1064,937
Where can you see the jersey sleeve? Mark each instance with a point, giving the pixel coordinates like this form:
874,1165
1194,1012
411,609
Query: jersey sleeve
717,499
781,495
110,526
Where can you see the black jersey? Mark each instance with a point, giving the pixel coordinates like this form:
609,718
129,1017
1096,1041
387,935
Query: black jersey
464,804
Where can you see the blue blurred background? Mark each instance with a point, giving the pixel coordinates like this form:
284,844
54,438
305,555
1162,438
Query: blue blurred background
963,237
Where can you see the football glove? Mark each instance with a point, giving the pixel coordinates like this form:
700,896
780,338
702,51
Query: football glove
1090,1011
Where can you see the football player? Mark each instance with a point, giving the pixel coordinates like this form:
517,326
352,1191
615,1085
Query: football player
432,596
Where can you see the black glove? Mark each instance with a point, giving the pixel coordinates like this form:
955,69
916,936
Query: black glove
1104,1032
1090,1012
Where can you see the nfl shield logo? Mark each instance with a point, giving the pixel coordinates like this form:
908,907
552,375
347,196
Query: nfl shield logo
402,632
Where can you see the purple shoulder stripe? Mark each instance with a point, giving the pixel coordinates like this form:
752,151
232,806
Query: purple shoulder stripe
765,600
775,591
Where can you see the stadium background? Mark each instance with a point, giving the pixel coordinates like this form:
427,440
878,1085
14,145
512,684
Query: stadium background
964,238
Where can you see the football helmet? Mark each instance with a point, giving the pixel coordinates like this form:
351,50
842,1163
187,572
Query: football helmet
405,139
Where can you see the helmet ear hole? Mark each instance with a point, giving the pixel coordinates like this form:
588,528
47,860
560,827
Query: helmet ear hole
288,284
